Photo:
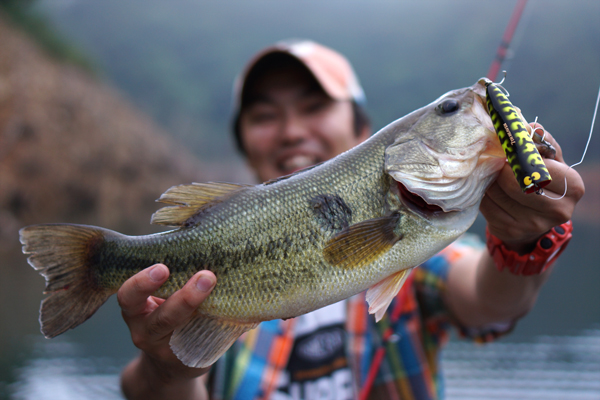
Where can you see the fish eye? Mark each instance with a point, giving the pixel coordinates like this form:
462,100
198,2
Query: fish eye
448,106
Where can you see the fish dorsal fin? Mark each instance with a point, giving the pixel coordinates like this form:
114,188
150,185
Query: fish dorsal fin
187,200
363,243
380,295
204,339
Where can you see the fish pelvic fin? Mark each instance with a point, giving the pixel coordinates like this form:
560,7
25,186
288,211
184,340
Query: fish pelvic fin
380,295
64,254
186,200
364,242
203,340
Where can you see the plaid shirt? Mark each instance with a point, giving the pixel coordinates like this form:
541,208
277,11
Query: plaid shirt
408,367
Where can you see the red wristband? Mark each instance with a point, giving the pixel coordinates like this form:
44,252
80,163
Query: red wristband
546,251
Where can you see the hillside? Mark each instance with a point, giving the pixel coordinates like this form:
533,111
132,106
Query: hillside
74,149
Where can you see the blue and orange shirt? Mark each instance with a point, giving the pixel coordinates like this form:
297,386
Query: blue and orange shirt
330,353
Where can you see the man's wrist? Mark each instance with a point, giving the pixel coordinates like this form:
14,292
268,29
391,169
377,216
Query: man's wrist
143,378
545,251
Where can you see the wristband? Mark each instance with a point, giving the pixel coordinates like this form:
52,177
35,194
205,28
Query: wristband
546,251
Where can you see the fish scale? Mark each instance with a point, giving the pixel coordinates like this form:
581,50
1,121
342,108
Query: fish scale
292,245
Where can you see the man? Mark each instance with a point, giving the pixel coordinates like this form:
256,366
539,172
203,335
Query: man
297,104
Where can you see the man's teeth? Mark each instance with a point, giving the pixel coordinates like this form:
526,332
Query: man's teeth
297,162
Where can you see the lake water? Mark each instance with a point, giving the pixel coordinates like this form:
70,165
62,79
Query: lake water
549,367
554,353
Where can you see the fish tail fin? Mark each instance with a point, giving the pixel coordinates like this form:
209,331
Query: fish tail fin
64,254
204,339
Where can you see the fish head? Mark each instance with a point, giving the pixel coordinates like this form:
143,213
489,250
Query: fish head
446,154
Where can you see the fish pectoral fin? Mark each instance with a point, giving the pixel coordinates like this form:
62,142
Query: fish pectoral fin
362,243
203,340
187,200
382,293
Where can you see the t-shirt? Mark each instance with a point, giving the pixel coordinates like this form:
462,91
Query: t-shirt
318,366
303,357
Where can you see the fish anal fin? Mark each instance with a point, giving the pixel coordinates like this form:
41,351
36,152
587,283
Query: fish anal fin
380,295
363,243
203,340
187,200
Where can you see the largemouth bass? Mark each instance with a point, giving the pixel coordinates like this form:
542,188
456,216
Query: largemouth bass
289,246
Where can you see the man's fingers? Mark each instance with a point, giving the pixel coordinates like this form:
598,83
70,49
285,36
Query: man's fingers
561,175
506,189
507,193
178,308
547,136
133,295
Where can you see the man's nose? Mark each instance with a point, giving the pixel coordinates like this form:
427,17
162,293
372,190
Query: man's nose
294,128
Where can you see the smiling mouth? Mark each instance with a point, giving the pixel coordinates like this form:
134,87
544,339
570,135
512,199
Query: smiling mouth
416,202
296,163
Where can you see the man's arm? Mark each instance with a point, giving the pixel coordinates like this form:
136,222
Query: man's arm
477,293
157,373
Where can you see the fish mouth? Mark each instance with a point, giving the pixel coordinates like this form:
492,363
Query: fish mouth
480,111
445,160
417,203
456,177
453,183
446,194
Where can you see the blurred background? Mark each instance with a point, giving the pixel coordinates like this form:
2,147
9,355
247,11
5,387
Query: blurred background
106,104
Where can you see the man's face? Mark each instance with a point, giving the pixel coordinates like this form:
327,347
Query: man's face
289,123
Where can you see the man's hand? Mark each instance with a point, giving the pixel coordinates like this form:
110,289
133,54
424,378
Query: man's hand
519,219
157,372
477,293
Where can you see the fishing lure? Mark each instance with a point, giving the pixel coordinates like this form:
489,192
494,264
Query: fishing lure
522,155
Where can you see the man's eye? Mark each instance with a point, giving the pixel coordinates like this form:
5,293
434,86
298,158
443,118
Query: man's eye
315,106
262,117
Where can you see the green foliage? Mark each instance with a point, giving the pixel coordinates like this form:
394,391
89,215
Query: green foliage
38,27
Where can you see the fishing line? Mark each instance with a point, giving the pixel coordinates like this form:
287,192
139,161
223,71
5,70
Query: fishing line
591,130
584,151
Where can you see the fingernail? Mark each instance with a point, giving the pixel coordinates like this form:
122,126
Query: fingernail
157,274
204,284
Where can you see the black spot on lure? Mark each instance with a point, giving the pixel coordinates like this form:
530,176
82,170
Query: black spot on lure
522,154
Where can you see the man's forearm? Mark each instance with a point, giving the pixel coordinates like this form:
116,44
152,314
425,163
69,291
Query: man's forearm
506,296
478,294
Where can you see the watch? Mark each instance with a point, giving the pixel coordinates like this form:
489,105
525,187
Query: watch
546,251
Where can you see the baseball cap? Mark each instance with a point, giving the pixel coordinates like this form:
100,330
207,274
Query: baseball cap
331,70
